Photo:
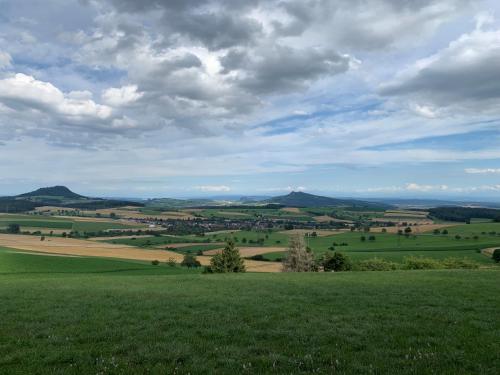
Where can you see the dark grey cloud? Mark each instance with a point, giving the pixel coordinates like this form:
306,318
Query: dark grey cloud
283,68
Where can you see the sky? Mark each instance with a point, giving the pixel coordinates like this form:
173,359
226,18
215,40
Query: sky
185,98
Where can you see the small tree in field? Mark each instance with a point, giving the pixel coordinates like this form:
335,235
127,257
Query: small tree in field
228,260
13,228
298,258
336,262
496,255
190,261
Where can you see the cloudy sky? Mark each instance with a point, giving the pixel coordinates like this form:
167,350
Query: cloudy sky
186,98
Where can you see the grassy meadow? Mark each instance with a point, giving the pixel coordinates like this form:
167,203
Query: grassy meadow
86,315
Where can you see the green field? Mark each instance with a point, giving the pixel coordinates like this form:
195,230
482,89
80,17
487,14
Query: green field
15,262
38,221
86,315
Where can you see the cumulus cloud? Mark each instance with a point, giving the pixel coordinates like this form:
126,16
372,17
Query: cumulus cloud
24,91
123,96
463,76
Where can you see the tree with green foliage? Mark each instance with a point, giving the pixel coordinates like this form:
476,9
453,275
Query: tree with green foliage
190,261
335,262
496,255
13,228
228,260
298,258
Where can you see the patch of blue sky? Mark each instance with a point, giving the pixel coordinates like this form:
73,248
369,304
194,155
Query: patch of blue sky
487,139
290,124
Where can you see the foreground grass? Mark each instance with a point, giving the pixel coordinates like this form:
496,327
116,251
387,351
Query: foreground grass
402,322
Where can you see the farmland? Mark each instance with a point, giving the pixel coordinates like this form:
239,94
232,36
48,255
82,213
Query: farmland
116,300
109,316
47,223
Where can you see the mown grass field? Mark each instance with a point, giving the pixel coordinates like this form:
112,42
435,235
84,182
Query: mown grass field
86,316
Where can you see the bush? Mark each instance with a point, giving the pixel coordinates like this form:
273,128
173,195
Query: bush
171,262
335,262
453,263
496,255
13,228
376,264
190,261
420,263
155,262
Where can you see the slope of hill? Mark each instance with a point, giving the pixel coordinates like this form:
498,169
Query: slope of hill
59,196
300,199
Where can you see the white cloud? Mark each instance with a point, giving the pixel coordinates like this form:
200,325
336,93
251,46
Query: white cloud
284,189
425,188
25,91
482,170
424,111
123,96
213,188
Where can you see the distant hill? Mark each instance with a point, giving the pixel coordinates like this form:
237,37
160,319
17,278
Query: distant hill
59,196
178,203
301,199
53,191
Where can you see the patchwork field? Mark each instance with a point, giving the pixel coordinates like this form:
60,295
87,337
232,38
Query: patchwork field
65,223
86,248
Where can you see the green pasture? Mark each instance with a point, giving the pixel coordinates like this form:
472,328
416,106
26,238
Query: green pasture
94,316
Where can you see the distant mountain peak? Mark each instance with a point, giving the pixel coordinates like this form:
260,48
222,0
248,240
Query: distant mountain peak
53,191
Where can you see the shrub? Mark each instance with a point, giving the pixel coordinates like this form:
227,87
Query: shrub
452,263
419,263
171,262
190,261
13,228
496,255
335,262
376,264
155,262
228,260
